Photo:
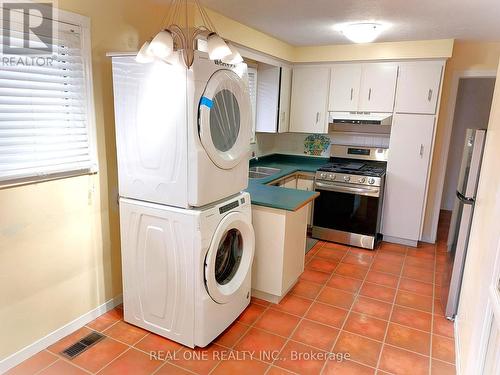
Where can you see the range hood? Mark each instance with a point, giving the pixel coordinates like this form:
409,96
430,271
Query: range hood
361,118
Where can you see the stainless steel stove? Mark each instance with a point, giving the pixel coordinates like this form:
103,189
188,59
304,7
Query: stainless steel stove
351,188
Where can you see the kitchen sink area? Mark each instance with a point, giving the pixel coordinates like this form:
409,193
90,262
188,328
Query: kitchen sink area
261,172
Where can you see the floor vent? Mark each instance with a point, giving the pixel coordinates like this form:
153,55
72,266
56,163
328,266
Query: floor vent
82,345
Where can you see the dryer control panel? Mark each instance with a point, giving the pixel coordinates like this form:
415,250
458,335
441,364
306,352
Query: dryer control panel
230,206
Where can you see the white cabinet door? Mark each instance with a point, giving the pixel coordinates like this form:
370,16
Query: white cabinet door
378,87
344,87
306,184
418,87
268,82
284,106
290,183
309,104
407,174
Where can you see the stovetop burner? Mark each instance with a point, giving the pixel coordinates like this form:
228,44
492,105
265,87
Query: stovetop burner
368,168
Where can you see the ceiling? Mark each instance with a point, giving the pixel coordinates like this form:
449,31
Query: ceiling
310,22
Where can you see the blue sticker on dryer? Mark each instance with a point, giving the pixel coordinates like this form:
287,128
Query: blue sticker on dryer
206,102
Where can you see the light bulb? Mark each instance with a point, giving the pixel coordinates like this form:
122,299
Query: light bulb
217,48
144,55
234,58
162,44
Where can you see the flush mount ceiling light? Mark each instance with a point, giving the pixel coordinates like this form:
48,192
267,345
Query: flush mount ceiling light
361,32
177,35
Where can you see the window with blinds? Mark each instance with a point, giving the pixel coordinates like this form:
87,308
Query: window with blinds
45,110
252,89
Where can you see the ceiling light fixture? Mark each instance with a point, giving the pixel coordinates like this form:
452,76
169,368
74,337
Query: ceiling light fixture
361,32
178,35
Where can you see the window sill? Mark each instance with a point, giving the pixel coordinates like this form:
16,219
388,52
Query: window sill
52,177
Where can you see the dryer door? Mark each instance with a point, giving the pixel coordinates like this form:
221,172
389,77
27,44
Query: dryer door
229,258
224,119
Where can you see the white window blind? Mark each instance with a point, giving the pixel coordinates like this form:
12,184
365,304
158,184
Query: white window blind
252,89
44,112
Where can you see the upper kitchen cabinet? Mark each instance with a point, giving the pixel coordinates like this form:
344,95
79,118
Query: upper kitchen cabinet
309,103
378,87
366,87
344,87
273,98
418,87
284,104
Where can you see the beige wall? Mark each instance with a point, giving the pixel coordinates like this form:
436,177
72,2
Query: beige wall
59,240
466,56
429,49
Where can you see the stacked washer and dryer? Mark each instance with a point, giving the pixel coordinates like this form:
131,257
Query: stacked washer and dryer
187,240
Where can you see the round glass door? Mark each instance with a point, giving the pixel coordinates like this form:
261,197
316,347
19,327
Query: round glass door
224,119
229,257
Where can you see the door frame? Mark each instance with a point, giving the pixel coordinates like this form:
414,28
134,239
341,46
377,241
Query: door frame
448,127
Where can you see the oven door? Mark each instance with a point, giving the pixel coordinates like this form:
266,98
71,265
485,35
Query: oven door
347,208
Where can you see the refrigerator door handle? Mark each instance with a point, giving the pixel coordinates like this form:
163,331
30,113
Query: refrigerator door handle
462,198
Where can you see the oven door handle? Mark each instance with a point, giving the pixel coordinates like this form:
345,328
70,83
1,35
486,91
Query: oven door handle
368,191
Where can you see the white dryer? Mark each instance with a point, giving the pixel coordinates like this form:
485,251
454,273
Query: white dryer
182,135
186,273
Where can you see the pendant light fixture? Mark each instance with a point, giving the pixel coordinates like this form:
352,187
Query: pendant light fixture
234,57
144,55
217,48
162,45
177,35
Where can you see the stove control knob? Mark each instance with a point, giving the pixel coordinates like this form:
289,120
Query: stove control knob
347,178
362,180
331,176
322,176
371,181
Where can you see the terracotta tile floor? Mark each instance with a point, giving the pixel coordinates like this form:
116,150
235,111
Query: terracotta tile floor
381,307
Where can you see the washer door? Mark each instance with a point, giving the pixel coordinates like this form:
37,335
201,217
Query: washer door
229,258
224,120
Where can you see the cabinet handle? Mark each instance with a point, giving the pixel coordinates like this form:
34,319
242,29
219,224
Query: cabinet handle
369,94
351,93
421,150
429,95
283,116
317,117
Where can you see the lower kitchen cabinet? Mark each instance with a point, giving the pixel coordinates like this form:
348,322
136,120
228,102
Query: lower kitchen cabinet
407,177
280,240
300,181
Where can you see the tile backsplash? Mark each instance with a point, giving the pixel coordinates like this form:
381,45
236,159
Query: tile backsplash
293,143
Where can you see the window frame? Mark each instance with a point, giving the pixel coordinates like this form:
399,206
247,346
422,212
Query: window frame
253,138
83,22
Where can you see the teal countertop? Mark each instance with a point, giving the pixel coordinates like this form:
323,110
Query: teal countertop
280,197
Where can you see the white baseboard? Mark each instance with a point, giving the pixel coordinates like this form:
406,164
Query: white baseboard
51,338
400,241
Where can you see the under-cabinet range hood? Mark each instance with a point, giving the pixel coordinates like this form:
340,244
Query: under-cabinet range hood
361,118
361,122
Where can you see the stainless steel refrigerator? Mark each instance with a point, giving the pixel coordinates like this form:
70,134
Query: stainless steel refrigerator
463,211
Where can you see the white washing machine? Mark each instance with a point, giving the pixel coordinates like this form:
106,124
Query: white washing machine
182,135
186,273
